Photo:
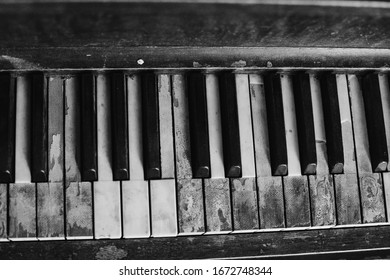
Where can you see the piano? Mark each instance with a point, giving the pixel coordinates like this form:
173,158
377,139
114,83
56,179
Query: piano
194,130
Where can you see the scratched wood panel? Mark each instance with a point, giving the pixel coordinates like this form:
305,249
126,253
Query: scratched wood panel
297,201
217,205
190,206
50,210
3,212
50,201
371,187
79,210
347,195
78,194
271,202
244,204
22,211
166,129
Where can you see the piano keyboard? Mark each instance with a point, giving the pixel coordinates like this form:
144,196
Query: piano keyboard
119,154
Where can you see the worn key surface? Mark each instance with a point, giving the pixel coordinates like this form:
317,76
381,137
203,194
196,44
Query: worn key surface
22,194
371,187
78,193
50,196
375,123
244,190
39,128
270,188
331,111
276,126
150,126
89,170
322,200
106,192
196,89
120,153
304,117
216,189
346,185
230,128
7,128
189,190
385,98
296,189
135,192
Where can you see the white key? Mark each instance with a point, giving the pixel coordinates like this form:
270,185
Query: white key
22,133
319,126
371,186
166,128
270,188
245,125
3,213
163,207
135,193
189,191
50,196
107,196
22,204
215,128
78,194
294,166
385,96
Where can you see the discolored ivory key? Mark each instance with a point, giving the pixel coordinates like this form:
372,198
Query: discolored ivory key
346,185
296,189
22,194
50,196
189,191
322,202
371,187
78,193
3,213
270,188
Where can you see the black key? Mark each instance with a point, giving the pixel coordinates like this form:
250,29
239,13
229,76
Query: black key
150,126
230,129
200,151
39,152
89,169
7,128
334,140
276,129
305,123
375,122
120,148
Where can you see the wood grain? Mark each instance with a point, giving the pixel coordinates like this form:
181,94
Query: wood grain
309,244
22,211
217,204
